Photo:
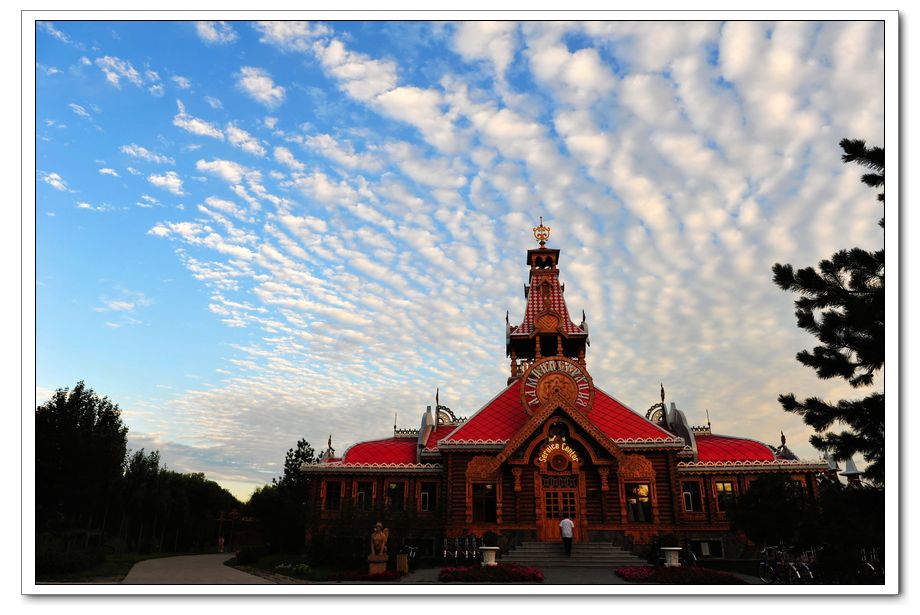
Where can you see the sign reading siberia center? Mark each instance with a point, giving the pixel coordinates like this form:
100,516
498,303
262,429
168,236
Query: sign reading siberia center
557,375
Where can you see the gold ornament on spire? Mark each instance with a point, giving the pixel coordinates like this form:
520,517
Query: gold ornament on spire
541,233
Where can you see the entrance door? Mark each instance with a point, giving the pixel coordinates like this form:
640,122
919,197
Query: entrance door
559,499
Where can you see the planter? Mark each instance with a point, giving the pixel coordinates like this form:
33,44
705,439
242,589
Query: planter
671,556
488,555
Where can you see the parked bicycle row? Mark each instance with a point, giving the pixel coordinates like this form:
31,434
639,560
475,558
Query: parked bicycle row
782,564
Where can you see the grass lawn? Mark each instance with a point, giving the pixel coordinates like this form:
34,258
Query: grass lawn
112,570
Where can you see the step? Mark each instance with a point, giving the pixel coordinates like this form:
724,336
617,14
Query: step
584,555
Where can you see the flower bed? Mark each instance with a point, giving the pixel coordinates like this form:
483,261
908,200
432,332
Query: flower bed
501,573
678,575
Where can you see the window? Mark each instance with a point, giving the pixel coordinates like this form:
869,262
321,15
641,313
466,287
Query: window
638,502
485,502
333,495
428,497
725,494
364,496
396,497
560,504
692,495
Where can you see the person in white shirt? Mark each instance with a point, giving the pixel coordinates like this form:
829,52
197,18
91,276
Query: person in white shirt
565,528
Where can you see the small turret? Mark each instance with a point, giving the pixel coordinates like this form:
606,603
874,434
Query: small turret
852,474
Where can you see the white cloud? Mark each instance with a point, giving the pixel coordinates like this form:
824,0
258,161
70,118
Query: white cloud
48,27
143,153
108,171
116,69
361,76
259,85
79,110
48,70
54,180
170,181
227,170
291,35
181,82
342,153
195,125
214,103
243,140
216,32
487,40
285,157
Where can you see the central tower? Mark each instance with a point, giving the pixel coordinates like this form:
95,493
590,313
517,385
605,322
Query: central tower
547,331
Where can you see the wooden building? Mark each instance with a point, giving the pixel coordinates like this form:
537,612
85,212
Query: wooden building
552,443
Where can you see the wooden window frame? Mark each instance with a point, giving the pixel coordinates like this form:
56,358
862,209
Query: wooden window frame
496,484
651,500
354,495
701,493
325,492
387,503
418,496
715,492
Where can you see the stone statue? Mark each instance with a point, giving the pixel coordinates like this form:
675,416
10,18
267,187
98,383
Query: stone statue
379,540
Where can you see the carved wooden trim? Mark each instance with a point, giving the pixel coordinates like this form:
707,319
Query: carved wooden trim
635,466
482,467
604,474
545,411
516,472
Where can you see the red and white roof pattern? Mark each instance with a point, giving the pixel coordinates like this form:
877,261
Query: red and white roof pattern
620,423
712,448
497,421
437,434
500,419
389,451
536,305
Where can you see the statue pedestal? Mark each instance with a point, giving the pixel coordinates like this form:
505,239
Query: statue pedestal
377,564
671,556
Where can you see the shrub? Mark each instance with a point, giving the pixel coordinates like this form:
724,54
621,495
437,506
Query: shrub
247,556
489,539
501,573
677,575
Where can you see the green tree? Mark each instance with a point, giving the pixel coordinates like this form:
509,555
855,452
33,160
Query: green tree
843,305
80,449
282,507
293,459
775,509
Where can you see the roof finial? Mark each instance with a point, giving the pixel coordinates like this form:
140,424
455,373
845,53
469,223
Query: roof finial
782,438
541,233
708,422
437,393
662,392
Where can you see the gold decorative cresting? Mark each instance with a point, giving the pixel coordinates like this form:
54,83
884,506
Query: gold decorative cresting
541,233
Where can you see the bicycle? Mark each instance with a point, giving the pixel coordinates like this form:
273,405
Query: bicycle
775,566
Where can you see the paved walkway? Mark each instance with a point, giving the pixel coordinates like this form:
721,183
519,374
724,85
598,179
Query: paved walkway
551,576
190,570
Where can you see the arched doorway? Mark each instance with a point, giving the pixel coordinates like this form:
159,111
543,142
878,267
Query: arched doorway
559,486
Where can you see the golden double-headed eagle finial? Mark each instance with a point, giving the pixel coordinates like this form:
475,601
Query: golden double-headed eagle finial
541,233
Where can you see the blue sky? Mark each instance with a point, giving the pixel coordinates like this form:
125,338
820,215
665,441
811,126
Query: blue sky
249,233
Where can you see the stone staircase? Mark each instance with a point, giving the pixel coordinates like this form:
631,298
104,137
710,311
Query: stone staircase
584,555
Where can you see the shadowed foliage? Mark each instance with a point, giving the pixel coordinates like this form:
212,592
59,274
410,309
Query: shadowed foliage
842,303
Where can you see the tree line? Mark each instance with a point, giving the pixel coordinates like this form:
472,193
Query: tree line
93,496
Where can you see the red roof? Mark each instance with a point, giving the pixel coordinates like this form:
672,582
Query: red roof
498,420
391,450
555,302
621,423
437,434
502,417
713,448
